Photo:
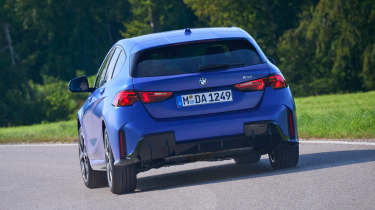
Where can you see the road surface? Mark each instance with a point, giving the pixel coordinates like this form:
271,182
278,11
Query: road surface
329,176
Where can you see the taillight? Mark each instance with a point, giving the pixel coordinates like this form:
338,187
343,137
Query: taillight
125,98
129,97
150,97
251,85
277,81
274,81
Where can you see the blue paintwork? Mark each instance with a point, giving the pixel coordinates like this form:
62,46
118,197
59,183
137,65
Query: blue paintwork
188,123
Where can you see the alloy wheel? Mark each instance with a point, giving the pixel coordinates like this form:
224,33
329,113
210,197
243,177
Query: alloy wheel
108,160
83,159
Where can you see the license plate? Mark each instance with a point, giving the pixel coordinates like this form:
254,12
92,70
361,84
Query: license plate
204,98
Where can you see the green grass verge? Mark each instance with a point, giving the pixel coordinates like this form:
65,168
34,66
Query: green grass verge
330,116
337,116
65,131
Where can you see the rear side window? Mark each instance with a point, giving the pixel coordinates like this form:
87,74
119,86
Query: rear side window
119,64
103,69
193,57
112,65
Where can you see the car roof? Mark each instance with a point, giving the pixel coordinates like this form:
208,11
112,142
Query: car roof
138,43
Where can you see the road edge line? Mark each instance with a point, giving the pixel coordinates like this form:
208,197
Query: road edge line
337,142
38,145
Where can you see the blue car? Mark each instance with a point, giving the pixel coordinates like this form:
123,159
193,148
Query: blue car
182,96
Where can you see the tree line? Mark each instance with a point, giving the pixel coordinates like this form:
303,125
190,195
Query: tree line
322,46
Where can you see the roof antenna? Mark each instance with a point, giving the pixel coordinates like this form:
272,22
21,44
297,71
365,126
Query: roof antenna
187,31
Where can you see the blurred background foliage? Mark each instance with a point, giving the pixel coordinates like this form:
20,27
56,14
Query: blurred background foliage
322,46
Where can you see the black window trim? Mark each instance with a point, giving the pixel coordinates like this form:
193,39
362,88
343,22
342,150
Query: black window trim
104,68
121,51
115,62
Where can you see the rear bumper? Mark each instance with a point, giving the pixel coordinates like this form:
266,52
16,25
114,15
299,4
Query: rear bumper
137,124
156,150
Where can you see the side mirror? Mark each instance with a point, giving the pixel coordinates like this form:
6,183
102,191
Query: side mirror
272,60
79,84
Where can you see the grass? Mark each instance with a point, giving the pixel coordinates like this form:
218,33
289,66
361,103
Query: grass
65,131
350,116
337,116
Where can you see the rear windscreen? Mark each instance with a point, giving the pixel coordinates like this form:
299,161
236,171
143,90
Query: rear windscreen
194,57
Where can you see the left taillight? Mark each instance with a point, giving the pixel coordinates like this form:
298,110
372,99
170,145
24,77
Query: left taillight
129,97
125,98
275,81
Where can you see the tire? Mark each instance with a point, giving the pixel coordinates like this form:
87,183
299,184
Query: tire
91,178
120,179
247,159
285,155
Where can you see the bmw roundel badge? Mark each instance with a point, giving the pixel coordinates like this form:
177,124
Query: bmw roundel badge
203,81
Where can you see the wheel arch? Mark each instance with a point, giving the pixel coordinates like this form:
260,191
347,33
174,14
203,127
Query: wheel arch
113,136
104,127
78,125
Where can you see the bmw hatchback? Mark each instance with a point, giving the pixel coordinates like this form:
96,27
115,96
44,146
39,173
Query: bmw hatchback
182,96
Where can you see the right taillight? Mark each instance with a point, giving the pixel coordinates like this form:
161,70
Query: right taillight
275,81
253,85
129,97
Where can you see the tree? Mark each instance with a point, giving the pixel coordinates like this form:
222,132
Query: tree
265,20
149,16
62,36
51,39
332,47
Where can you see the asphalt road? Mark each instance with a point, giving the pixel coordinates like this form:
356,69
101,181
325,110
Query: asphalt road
329,176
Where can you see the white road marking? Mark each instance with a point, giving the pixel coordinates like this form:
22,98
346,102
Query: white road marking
38,145
337,142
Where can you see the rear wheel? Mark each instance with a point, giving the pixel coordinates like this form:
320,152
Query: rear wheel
285,155
120,179
91,178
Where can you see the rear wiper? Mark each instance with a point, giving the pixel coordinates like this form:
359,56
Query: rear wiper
219,66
